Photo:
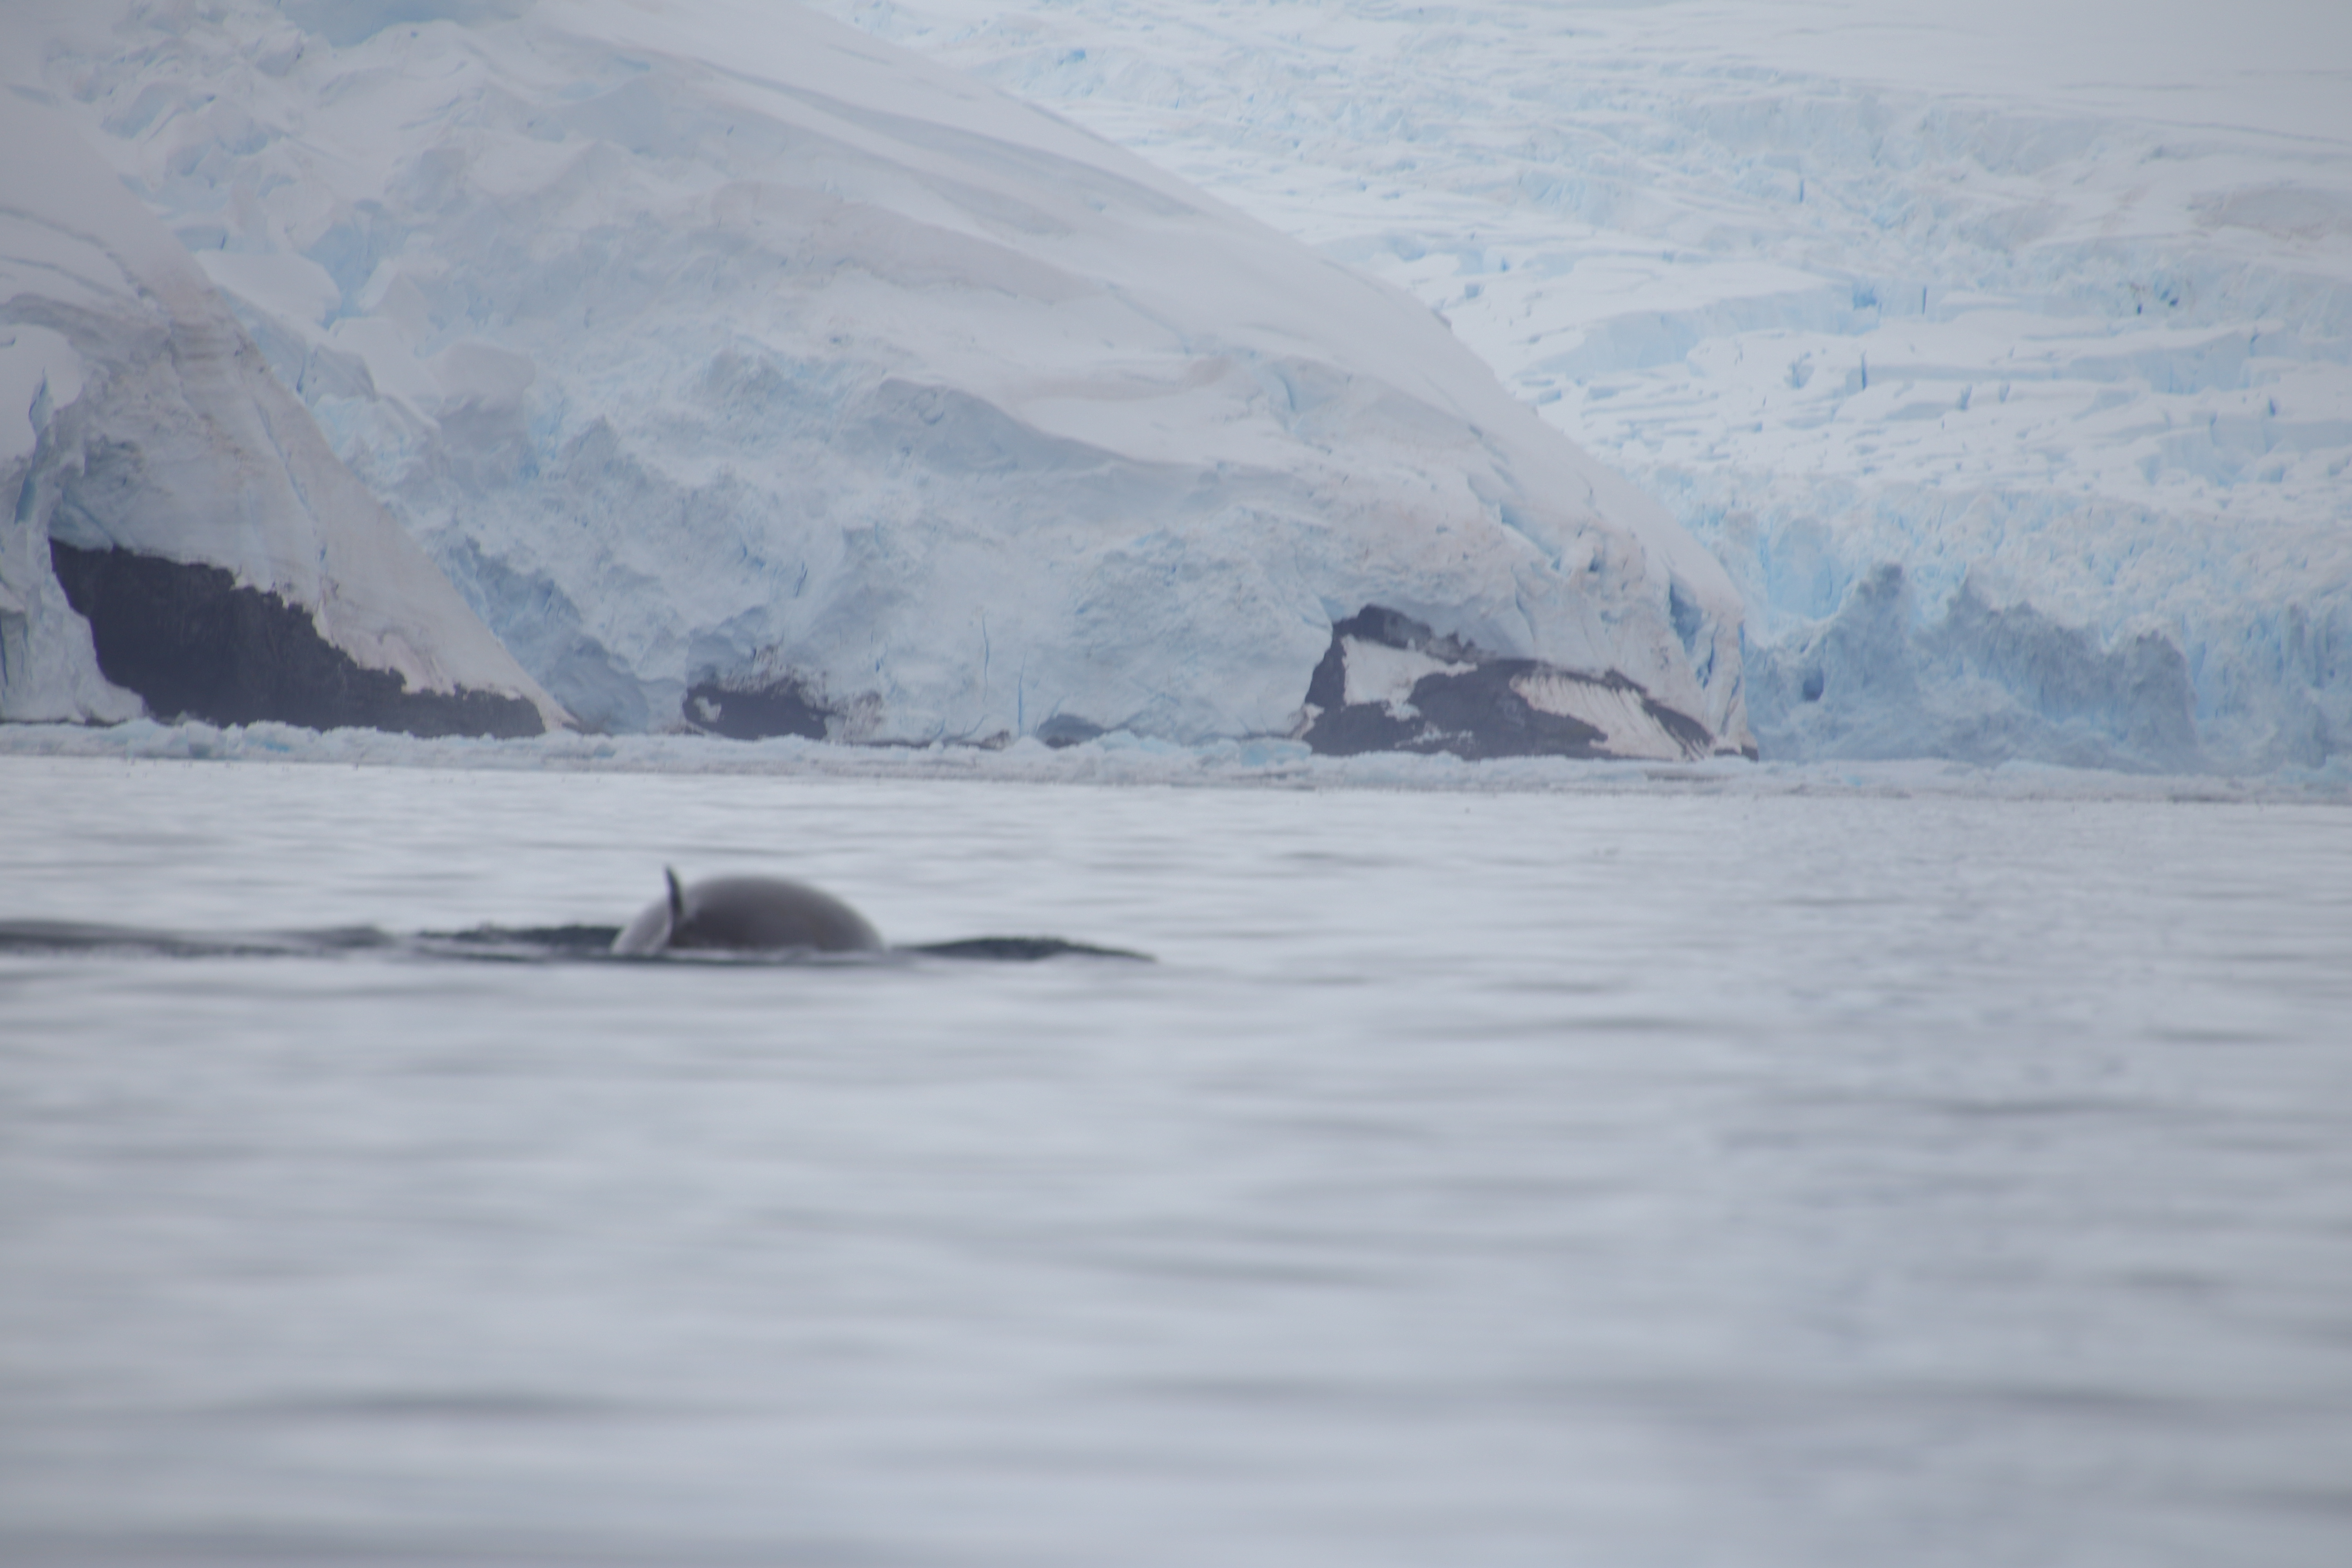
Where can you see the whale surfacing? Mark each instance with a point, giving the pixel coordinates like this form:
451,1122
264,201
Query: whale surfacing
746,914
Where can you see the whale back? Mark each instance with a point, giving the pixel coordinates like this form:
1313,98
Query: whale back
747,914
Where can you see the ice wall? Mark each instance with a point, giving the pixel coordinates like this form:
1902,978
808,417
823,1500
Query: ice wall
164,493
2044,305
750,375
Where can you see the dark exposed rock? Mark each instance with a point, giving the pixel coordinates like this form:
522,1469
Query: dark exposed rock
785,707
1067,729
1352,729
1478,714
1482,711
193,644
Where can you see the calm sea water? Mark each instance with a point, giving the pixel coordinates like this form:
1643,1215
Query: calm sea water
1648,1178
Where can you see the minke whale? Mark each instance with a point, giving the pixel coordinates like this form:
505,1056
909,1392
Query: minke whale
775,915
746,914
753,917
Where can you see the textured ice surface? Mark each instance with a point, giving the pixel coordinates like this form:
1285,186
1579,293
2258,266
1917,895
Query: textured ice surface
2047,306
2043,310
138,416
733,363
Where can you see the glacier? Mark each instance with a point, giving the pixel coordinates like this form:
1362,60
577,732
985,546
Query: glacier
180,538
1998,357
2002,352
749,375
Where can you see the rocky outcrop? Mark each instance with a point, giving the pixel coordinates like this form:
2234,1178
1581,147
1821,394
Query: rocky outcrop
1390,683
193,645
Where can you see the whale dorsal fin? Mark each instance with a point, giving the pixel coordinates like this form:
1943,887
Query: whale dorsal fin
676,900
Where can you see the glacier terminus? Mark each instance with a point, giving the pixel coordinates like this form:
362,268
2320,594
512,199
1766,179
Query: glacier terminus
747,374
1820,380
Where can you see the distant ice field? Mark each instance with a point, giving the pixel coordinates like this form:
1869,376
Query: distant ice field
1634,1177
2047,306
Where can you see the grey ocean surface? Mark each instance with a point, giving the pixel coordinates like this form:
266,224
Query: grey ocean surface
1657,1178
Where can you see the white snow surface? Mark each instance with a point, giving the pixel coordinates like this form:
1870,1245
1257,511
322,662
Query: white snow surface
705,338
2045,303
1617,712
139,414
1375,672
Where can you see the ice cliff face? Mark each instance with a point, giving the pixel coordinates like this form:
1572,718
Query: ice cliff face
749,374
1999,350
178,530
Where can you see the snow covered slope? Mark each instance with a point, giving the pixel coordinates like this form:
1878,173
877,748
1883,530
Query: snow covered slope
2000,351
161,484
747,373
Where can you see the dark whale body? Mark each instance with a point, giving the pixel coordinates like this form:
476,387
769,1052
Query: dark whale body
753,915
747,914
